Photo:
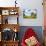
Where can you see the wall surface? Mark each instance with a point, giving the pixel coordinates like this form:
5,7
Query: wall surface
31,4
7,3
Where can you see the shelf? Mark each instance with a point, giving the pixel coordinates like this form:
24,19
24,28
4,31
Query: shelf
10,26
5,13
11,41
9,9
9,20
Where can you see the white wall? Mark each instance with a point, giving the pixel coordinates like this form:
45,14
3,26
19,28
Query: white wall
7,3
32,4
25,4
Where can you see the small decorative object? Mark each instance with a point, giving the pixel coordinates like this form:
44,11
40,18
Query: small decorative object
5,12
13,12
7,34
15,3
15,30
28,13
15,36
6,21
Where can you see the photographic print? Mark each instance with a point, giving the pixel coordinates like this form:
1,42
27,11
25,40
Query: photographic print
30,13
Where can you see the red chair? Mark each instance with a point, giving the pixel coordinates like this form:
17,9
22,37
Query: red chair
29,33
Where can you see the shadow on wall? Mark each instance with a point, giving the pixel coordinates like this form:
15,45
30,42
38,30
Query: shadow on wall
37,29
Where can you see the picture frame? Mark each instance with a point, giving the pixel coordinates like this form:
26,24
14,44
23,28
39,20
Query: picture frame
5,12
30,13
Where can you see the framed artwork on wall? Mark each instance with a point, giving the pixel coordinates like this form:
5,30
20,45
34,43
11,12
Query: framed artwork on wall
30,13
